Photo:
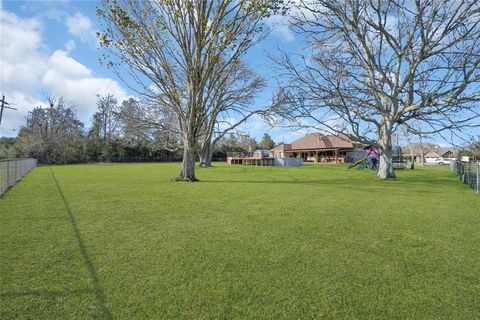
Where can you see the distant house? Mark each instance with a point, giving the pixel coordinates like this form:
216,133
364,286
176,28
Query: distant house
439,153
318,148
432,154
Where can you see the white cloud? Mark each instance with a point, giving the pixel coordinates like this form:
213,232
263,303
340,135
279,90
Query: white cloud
280,24
81,26
68,77
70,45
22,64
62,66
22,60
28,70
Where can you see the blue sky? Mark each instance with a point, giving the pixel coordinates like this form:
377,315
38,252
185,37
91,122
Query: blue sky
51,47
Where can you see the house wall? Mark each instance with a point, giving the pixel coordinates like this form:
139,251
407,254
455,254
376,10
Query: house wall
278,154
287,162
448,154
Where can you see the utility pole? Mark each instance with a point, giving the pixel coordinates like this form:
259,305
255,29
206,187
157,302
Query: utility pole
5,105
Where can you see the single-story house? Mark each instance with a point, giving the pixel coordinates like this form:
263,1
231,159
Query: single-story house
439,153
318,148
431,155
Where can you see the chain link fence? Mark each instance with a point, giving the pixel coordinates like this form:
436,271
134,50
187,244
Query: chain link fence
161,159
12,170
468,172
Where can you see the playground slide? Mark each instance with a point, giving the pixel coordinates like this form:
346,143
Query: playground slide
353,165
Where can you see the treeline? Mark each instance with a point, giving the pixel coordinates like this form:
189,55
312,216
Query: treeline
126,131
472,149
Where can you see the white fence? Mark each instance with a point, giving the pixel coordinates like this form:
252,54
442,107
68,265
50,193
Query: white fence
468,172
12,170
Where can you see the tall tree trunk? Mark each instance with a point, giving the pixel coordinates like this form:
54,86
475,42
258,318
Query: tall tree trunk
412,155
422,152
206,153
201,158
386,170
188,163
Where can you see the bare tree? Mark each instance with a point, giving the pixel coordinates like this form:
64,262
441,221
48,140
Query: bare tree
420,141
177,50
106,120
376,65
408,137
107,115
53,134
133,129
231,98
474,146
218,131
142,121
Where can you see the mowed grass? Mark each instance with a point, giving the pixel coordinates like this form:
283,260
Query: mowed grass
125,242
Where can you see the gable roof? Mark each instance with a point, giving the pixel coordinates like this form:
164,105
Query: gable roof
318,141
440,152
282,147
443,151
432,154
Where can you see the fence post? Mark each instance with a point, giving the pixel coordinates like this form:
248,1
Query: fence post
459,174
8,174
468,174
1,178
478,176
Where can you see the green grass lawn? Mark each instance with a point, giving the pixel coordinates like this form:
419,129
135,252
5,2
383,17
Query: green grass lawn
125,242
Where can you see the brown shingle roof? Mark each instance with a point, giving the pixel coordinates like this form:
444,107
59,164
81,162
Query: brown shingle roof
441,152
282,147
318,141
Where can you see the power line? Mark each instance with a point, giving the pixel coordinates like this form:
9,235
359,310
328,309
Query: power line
5,105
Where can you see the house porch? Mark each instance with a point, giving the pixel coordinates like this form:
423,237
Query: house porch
333,155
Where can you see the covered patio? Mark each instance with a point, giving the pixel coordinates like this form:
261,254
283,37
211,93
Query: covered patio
320,155
318,148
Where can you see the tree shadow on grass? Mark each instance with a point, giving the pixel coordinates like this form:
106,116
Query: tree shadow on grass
47,293
35,218
85,255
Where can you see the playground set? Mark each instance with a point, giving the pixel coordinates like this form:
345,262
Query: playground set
367,159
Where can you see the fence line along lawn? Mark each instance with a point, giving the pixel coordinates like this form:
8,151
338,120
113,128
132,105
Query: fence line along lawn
125,242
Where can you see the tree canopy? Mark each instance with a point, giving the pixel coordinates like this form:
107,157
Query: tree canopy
375,66
182,54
